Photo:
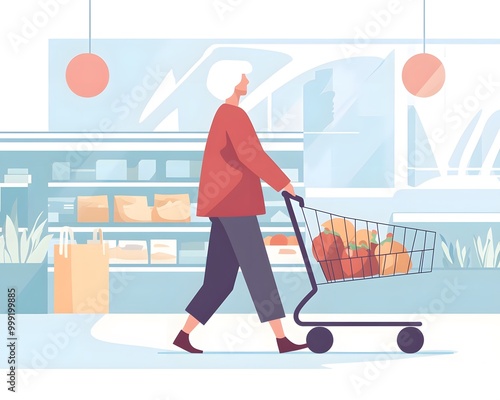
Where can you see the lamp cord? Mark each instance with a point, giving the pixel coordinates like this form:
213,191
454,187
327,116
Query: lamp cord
424,26
90,26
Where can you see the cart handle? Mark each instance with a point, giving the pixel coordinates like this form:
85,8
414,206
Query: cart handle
288,195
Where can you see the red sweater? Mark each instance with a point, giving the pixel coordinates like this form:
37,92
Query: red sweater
234,162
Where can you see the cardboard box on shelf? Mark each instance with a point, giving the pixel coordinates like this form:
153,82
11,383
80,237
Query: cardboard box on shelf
93,208
132,209
171,208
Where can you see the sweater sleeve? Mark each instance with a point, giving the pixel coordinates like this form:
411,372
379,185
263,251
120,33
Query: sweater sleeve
251,154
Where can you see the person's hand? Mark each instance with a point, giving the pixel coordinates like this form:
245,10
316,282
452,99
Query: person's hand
289,188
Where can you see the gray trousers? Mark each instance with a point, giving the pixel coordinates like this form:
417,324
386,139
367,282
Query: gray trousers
236,242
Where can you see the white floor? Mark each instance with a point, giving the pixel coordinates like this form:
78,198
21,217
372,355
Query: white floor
465,364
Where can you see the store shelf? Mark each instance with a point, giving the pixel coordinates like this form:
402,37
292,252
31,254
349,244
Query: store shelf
121,184
162,229
182,269
137,184
332,133
136,136
13,185
20,230
446,217
332,193
140,146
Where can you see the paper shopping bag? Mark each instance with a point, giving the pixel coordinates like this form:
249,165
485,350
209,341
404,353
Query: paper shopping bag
81,275
93,208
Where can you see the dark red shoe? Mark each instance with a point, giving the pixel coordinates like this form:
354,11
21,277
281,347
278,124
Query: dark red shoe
182,341
285,346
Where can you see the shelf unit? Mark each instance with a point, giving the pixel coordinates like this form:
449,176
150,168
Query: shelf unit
177,269
99,184
163,229
86,147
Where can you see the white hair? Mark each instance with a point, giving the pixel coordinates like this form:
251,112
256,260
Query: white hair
225,75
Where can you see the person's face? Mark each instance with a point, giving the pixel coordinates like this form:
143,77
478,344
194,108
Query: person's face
241,88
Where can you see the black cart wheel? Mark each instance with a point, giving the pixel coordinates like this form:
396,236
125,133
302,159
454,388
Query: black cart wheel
319,340
410,340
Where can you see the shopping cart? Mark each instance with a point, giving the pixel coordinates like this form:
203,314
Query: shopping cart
349,249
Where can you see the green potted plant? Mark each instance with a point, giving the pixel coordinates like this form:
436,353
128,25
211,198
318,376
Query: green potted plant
23,266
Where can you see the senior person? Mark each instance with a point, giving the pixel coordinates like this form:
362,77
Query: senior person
230,194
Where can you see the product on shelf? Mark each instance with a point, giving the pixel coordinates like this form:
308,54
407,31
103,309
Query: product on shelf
193,253
283,249
93,208
129,252
194,168
111,170
61,171
83,174
280,216
163,251
171,208
132,209
281,240
177,169
392,256
18,171
146,170
17,175
61,209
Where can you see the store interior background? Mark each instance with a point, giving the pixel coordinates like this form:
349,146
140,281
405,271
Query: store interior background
38,102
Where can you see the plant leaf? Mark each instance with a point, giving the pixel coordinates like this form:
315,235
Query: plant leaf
457,249
479,250
11,240
23,247
30,237
8,259
497,253
490,251
37,234
40,252
446,252
14,215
